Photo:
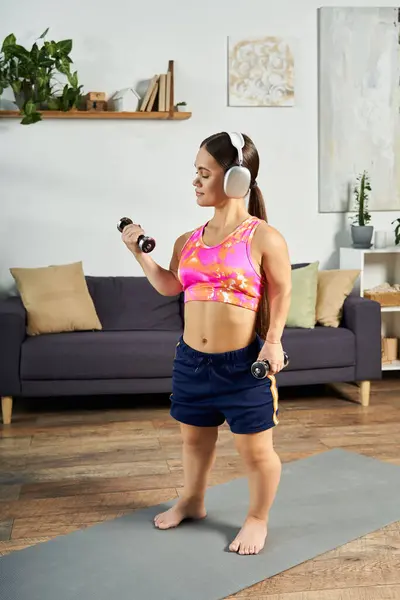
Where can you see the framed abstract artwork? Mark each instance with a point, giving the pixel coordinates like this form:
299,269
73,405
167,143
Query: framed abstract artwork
359,118
260,72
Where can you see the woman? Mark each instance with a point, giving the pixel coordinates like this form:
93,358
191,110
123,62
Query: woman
230,269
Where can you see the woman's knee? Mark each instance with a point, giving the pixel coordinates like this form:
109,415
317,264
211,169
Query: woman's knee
257,450
262,461
199,438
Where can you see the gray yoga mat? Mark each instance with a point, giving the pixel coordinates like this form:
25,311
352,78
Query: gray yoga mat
323,502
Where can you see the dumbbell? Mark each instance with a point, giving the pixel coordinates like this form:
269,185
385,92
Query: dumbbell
260,368
146,243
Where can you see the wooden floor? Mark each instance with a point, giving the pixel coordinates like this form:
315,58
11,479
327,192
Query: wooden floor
65,465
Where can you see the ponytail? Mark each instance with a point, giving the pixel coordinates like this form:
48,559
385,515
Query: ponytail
256,208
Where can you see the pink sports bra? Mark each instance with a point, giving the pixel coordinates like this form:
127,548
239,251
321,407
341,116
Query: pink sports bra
221,273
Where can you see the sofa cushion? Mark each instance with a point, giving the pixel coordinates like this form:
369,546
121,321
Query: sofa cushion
131,303
319,348
303,297
99,355
56,298
334,286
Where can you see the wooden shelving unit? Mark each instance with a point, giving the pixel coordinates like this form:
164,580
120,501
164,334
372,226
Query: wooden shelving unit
376,266
82,114
169,115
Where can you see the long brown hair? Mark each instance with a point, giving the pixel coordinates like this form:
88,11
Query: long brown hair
220,147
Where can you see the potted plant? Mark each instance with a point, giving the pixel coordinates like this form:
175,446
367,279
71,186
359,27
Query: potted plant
3,76
361,232
71,97
397,231
181,107
32,76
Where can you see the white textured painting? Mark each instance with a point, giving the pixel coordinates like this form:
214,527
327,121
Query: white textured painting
359,106
261,72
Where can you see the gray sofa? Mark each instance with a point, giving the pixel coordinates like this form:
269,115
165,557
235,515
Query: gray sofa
134,351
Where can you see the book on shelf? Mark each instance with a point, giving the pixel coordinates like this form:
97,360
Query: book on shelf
149,92
168,85
158,94
153,96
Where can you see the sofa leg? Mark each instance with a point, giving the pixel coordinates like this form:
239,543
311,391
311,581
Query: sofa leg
6,409
364,392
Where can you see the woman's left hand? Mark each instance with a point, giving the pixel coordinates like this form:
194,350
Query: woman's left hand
273,353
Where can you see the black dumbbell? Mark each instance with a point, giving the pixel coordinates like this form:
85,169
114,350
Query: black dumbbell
260,368
146,243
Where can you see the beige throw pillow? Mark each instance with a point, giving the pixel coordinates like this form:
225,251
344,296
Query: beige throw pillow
333,288
56,299
303,297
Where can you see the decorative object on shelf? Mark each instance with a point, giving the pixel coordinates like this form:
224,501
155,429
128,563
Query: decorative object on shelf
260,72
385,294
96,101
396,231
380,239
32,75
96,96
181,107
361,232
125,100
389,350
358,73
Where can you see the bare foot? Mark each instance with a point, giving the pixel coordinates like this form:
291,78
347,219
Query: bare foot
251,538
183,509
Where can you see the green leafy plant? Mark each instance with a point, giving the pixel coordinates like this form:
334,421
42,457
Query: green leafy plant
397,231
3,76
362,216
181,104
71,97
32,75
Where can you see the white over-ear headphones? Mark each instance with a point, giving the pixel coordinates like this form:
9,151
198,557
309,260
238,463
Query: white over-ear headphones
237,178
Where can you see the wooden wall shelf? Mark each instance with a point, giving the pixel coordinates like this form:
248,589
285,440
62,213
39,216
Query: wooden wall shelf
81,114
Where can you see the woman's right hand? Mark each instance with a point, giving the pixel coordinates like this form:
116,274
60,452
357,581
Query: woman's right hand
130,236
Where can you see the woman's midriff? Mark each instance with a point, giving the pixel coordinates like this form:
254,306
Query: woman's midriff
218,327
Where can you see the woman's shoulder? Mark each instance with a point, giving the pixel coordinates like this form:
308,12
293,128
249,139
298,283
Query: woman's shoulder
184,237
188,234
267,235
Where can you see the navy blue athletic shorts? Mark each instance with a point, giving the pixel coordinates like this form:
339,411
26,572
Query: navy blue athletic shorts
208,389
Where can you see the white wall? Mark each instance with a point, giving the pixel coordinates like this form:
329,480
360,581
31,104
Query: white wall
64,184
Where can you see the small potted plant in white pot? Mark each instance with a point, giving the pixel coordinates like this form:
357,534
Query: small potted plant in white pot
181,107
361,232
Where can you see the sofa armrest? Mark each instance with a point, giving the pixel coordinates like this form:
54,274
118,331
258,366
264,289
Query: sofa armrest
12,334
363,317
